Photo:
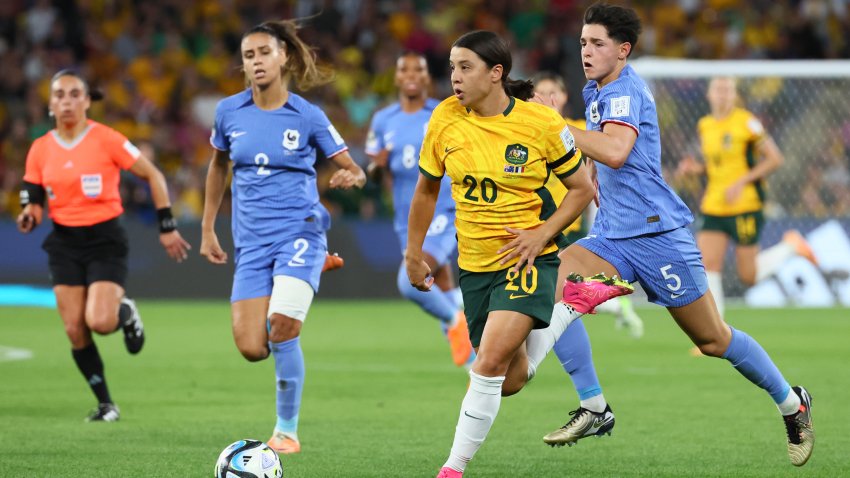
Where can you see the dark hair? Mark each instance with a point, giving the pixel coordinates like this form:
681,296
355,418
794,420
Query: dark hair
550,76
494,51
301,66
622,23
94,94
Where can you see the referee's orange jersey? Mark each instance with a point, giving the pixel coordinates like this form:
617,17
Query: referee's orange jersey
81,178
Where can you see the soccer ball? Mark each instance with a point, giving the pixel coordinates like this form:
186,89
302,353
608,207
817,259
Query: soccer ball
248,459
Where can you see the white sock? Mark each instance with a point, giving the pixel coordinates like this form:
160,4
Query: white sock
715,285
594,404
477,413
790,405
541,341
771,259
610,306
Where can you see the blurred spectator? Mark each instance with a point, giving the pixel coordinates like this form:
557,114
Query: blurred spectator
164,65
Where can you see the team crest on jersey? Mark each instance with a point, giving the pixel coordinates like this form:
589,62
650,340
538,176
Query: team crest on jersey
516,154
290,139
594,112
92,185
727,141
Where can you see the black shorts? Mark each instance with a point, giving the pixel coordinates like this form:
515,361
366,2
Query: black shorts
82,255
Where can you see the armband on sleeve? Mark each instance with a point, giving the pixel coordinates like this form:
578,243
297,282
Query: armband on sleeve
32,193
166,220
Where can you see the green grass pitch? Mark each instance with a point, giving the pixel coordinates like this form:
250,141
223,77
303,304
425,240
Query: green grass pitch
382,399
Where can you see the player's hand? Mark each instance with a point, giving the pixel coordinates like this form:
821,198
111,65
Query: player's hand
526,245
174,244
418,272
211,249
29,218
688,166
734,191
344,179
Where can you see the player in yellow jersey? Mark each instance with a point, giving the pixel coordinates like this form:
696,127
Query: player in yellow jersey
738,155
551,87
498,151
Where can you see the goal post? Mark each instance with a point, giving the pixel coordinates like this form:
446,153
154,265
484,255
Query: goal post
804,106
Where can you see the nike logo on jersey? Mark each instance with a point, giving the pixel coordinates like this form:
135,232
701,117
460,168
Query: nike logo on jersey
68,165
237,134
680,294
452,149
517,296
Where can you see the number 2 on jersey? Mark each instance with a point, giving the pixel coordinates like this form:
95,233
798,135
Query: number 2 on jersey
262,160
489,192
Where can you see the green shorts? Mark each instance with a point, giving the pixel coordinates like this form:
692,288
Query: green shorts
745,229
531,294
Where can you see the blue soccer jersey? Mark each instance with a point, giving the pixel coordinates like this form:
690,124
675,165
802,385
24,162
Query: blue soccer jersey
634,200
274,155
401,134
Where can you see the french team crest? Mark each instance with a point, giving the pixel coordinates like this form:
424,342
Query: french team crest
290,139
594,112
516,154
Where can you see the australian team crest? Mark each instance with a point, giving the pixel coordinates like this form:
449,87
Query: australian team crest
516,154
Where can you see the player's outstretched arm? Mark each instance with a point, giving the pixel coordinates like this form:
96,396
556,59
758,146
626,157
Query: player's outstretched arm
174,244
215,185
350,175
422,207
611,146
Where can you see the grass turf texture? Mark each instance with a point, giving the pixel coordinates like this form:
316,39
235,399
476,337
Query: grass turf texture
382,399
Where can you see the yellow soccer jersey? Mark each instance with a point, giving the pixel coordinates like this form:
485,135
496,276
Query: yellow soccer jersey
498,166
729,152
557,188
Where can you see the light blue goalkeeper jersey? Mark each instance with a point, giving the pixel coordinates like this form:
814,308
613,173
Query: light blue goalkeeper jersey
274,155
634,200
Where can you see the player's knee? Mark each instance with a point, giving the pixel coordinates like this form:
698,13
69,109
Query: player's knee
253,352
102,323
490,366
713,349
78,335
748,277
283,328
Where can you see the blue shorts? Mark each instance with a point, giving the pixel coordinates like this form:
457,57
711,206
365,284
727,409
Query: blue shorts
300,255
440,240
668,265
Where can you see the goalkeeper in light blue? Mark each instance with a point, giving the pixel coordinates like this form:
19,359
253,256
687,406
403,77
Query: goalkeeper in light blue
271,136
641,231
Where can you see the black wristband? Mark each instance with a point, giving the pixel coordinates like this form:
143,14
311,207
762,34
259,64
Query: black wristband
31,193
166,220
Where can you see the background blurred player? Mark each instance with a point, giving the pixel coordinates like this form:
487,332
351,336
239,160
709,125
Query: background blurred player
498,152
641,232
395,138
77,167
738,155
271,136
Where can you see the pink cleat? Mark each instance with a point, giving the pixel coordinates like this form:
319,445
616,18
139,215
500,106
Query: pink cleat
446,472
585,294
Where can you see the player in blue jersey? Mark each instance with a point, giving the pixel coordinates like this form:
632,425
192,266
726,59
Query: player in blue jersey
641,231
271,136
395,138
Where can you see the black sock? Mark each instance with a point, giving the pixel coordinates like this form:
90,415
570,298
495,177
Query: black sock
124,314
89,363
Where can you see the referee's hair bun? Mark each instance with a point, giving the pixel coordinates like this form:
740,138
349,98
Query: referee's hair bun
95,94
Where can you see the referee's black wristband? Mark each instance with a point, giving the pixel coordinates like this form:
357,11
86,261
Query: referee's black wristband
166,220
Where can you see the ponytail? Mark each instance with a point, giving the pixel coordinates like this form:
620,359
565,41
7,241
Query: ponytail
301,66
519,89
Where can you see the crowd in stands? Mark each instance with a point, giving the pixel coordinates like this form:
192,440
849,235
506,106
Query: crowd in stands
164,65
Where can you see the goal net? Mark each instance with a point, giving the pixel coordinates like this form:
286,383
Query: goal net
804,106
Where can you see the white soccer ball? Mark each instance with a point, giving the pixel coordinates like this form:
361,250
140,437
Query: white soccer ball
248,459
